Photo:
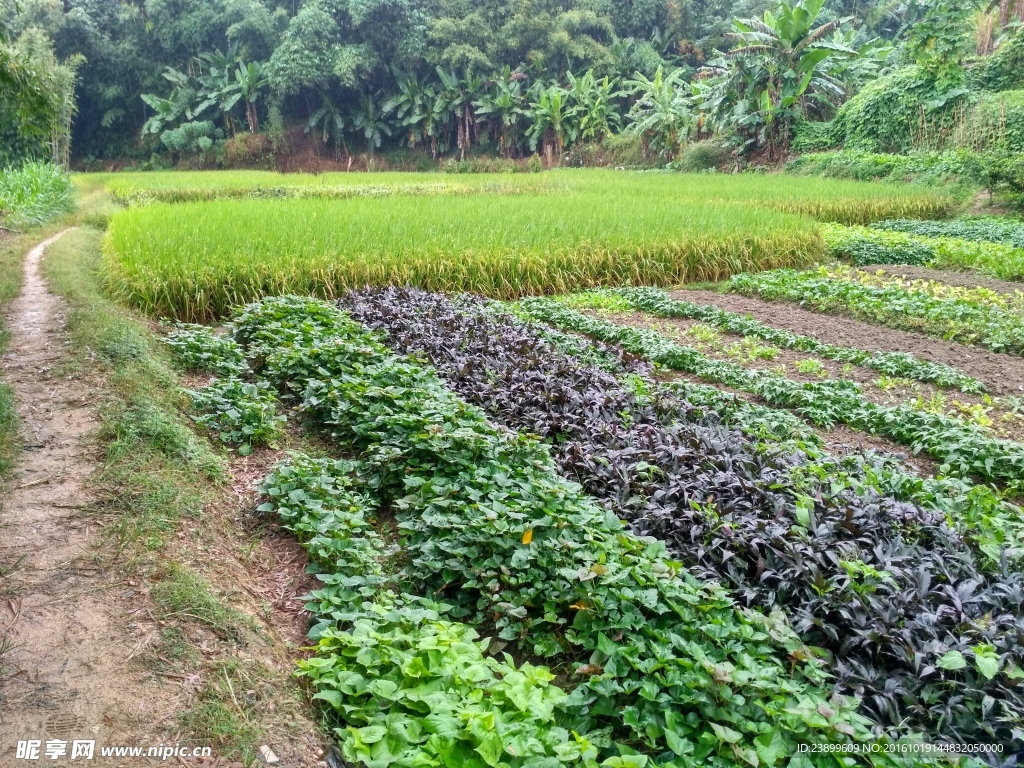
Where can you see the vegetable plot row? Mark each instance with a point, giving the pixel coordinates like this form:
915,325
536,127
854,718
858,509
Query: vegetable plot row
891,363
863,246
989,229
657,662
886,586
963,449
842,293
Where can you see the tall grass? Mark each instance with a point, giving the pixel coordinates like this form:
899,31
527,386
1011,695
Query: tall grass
34,193
194,261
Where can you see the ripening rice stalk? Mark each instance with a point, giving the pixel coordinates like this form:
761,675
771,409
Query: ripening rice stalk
196,261
573,230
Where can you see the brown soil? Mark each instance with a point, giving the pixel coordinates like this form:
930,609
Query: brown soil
1002,374
73,671
675,328
841,440
962,279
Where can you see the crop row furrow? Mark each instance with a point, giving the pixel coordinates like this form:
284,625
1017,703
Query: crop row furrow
863,246
989,229
989,325
963,449
891,363
661,662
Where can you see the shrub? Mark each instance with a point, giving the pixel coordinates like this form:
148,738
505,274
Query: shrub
197,136
811,136
705,155
535,165
1003,70
880,116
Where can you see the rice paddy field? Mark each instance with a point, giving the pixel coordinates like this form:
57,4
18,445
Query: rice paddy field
501,236
727,469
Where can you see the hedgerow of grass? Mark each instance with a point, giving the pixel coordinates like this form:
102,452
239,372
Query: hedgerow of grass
662,663
863,246
956,314
33,194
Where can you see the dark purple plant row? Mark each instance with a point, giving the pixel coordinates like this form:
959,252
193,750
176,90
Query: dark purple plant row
911,621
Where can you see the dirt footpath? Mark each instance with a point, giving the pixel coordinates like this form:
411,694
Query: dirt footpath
70,674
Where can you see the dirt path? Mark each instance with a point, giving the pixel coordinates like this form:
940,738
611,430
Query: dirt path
69,675
1003,374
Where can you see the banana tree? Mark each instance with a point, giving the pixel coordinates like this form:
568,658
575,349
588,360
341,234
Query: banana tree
181,104
411,107
502,109
329,121
765,82
216,84
456,97
594,100
662,114
371,120
552,114
250,82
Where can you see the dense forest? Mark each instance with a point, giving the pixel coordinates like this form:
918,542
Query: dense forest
187,78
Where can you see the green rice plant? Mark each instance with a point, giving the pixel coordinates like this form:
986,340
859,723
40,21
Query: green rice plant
962,315
196,261
845,202
33,194
864,246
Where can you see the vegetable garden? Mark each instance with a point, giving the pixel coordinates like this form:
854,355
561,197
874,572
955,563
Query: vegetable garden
563,516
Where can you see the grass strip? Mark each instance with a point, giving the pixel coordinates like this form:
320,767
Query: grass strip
892,363
957,318
668,664
964,450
